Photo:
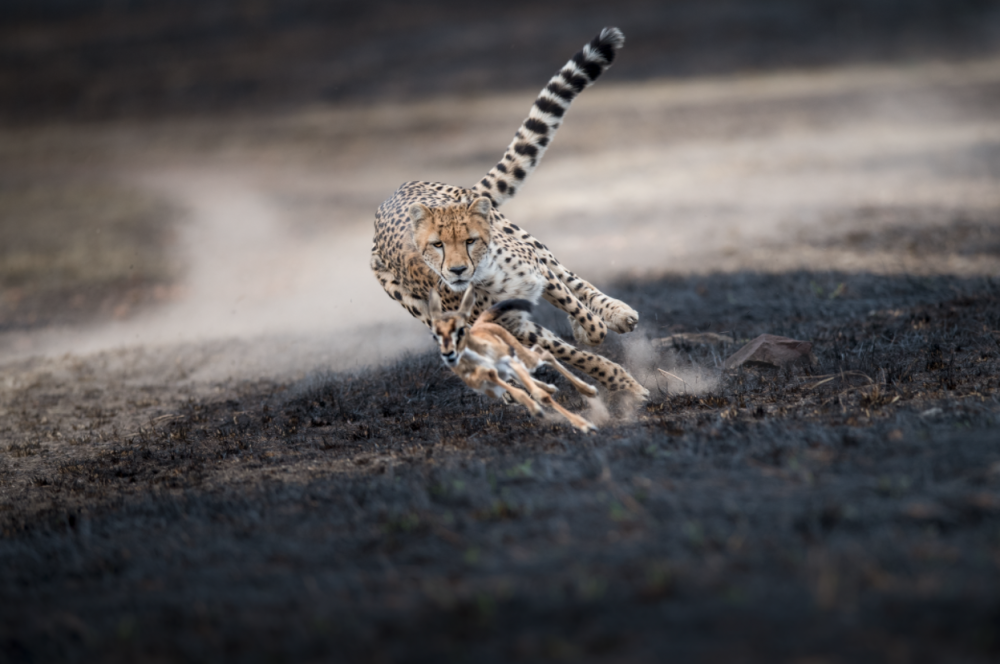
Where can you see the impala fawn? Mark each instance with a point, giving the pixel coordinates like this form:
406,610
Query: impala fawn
486,356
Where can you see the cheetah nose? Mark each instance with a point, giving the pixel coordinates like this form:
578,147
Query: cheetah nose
458,270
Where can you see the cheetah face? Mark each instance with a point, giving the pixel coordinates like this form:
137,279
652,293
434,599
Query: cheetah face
453,240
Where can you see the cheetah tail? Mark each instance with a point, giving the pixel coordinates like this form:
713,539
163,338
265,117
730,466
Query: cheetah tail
535,134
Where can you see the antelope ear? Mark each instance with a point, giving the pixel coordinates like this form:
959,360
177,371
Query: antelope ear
481,207
419,213
468,303
434,303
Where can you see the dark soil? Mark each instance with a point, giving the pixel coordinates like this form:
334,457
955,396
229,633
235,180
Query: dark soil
847,511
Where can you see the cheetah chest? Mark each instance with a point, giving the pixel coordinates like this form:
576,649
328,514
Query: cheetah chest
509,274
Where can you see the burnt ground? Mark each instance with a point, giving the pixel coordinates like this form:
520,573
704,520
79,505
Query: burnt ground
843,511
847,511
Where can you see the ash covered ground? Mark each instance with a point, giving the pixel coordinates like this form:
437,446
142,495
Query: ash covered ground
220,440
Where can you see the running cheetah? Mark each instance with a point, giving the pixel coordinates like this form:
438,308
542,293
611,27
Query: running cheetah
432,236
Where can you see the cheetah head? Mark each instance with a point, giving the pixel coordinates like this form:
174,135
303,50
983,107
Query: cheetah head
453,240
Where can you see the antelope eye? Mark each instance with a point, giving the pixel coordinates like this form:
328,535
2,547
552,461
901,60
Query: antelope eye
438,244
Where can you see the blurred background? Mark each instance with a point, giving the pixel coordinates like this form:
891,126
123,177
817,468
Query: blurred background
100,59
172,172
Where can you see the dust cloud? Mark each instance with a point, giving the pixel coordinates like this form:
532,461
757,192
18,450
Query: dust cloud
745,173
666,370
284,302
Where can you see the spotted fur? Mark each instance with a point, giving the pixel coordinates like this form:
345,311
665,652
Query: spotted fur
433,236
534,135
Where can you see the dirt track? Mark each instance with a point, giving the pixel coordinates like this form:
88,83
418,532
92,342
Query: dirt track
215,452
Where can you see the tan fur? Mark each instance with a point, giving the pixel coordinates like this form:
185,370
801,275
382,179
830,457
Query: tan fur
484,355
452,241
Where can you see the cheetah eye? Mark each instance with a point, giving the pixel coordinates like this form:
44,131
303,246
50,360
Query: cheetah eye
438,245
471,241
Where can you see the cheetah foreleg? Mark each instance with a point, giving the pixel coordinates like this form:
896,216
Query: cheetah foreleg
397,291
588,328
619,316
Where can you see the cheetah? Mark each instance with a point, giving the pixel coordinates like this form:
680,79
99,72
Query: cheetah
486,356
437,237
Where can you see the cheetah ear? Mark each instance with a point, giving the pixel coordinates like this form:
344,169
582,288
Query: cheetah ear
433,303
419,213
468,303
481,207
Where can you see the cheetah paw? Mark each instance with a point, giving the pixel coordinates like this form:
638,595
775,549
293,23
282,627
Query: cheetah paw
589,337
620,317
633,387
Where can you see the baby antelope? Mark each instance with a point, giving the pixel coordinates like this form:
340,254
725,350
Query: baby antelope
486,356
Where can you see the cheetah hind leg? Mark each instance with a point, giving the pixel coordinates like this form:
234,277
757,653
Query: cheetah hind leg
613,376
579,332
548,358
